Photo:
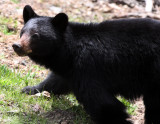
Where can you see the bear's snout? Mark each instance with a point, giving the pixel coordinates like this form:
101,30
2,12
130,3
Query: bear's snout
21,50
16,47
22,47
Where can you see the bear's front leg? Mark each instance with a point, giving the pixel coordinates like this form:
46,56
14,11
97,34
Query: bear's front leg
101,105
53,83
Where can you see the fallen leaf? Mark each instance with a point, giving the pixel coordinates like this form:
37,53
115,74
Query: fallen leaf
44,93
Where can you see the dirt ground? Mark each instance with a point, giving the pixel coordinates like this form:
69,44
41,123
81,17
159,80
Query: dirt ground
80,10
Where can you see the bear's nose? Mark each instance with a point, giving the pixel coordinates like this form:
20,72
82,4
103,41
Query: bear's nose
16,46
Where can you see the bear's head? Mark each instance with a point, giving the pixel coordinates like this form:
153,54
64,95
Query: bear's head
40,35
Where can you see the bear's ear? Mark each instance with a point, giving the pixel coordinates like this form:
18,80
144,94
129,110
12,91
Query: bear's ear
60,21
28,13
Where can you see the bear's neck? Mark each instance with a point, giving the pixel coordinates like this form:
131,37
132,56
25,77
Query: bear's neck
58,62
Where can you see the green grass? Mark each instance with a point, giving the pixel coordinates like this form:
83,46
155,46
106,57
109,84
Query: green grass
16,107
130,107
5,23
14,104
15,1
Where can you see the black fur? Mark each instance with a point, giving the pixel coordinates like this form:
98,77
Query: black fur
99,61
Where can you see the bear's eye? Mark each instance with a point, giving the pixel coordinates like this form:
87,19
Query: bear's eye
35,36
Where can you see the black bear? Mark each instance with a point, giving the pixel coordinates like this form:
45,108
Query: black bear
96,62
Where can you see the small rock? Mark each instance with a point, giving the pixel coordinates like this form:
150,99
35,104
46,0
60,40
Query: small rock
55,9
19,11
24,63
16,62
